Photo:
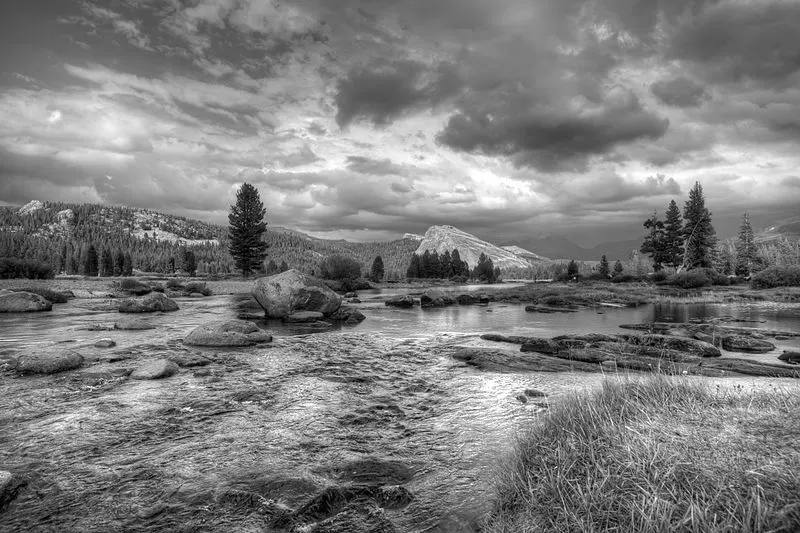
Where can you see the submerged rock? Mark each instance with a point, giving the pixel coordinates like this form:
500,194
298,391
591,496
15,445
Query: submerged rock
10,485
23,302
48,361
135,324
540,345
349,315
291,291
405,301
105,343
435,298
743,343
151,303
231,333
548,309
304,316
158,369
373,471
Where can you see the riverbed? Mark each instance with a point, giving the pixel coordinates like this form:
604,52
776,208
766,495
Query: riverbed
265,428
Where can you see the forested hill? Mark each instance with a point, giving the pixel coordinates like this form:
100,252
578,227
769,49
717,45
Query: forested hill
59,234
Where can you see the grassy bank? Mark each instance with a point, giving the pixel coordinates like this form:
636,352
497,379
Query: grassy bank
662,454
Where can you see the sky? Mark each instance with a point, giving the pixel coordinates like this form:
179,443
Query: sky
367,119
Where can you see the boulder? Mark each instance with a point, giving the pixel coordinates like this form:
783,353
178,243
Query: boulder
291,291
790,357
304,316
349,315
435,298
135,324
151,303
400,301
23,302
158,369
105,343
231,333
48,361
540,345
466,299
351,294
744,343
134,286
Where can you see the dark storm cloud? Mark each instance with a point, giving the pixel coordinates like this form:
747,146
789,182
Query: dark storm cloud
547,137
679,92
735,41
384,90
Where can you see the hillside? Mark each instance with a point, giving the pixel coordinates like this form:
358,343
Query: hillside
441,239
59,233
557,247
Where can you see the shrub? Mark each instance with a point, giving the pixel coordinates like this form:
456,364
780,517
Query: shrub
690,279
174,283
48,294
340,267
777,276
156,286
134,286
11,267
659,276
625,278
197,286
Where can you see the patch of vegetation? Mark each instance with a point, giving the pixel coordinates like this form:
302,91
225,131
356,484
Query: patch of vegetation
11,268
777,276
134,286
197,286
661,454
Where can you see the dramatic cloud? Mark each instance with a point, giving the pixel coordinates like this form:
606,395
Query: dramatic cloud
679,92
377,118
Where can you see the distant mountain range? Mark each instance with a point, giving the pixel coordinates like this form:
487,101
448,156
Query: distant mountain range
556,247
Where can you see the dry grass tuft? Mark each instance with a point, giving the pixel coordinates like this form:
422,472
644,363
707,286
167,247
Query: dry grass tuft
656,455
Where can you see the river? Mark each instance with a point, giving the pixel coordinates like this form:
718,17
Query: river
291,415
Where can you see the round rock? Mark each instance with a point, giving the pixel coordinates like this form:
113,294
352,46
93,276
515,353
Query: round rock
105,343
23,302
285,293
48,361
231,333
132,324
148,304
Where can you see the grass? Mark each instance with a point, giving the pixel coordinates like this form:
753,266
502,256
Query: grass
656,455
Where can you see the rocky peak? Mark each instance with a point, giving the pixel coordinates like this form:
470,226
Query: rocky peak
30,207
447,238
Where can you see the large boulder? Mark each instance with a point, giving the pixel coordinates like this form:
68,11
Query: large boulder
285,293
148,304
400,301
23,302
48,361
350,316
790,357
223,333
435,298
747,344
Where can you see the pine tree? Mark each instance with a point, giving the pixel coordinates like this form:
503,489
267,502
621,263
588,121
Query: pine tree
458,265
119,263
654,243
484,270
127,265
188,262
603,269
425,270
376,272
673,236
413,267
572,269
106,263
618,268
247,228
700,235
90,265
746,252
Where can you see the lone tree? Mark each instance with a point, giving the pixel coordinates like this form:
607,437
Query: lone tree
746,252
673,236
376,272
246,231
603,269
654,242
572,269
484,270
701,238
618,270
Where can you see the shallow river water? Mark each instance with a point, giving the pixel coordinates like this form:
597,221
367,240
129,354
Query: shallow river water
284,420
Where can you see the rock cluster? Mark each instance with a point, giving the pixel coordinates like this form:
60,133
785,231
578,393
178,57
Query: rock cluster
23,302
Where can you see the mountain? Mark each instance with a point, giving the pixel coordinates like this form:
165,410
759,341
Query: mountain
788,228
442,239
557,247
523,253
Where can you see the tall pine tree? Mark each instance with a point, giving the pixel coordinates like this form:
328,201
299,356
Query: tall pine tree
673,236
376,272
603,269
247,228
654,241
746,252
701,238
